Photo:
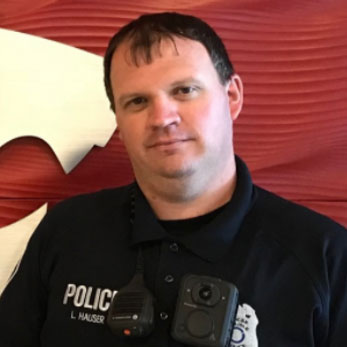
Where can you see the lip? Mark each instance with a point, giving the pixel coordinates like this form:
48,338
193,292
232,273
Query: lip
168,143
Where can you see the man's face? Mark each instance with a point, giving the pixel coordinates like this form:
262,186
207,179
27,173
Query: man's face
174,116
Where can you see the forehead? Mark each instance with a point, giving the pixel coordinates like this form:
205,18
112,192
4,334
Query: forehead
169,58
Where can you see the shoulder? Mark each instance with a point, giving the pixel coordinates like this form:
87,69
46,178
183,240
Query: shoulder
313,241
81,212
101,200
282,216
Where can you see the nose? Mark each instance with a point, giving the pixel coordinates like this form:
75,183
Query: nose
163,112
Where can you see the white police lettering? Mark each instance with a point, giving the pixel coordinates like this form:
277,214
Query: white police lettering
91,318
80,296
88,297
244,333
70,292
103,304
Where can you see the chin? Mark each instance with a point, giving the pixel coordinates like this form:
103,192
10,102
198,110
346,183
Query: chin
180,172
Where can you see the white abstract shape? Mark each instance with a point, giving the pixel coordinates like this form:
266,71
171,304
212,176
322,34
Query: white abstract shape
13,241
54,92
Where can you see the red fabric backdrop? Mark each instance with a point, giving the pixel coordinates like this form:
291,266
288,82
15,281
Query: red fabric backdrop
292,56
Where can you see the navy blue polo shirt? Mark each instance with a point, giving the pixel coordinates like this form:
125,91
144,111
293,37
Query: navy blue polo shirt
202,251
288,263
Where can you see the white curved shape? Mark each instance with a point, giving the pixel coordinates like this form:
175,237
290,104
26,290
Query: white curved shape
13,241
54,92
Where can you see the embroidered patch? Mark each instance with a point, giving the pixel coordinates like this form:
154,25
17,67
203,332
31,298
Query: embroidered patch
244,333
94,302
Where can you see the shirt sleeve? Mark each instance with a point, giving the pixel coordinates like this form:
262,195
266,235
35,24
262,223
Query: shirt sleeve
23,301
337,269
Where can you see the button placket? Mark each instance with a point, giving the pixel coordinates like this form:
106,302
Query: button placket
166,281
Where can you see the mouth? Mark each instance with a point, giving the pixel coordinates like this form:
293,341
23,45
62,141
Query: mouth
165,144
169,145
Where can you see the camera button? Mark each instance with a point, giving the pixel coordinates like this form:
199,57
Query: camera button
174,247
163,316
169,279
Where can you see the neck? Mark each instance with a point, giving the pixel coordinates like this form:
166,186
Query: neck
170,200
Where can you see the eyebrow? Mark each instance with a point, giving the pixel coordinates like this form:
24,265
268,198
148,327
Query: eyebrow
185,81
123,98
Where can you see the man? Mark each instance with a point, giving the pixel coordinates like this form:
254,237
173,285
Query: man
192,210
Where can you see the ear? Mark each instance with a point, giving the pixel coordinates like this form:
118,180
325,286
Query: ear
235,93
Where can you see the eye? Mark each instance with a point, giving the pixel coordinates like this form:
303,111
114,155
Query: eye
137,101
186,92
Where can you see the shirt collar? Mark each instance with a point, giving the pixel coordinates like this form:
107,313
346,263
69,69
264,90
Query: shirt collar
213,240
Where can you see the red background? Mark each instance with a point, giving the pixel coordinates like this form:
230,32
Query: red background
292,57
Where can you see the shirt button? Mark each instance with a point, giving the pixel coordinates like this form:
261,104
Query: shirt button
169,279
174,247
164,316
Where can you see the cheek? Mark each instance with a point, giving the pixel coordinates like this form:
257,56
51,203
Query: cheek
129,138
129,129
210,117
120,135
197,112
